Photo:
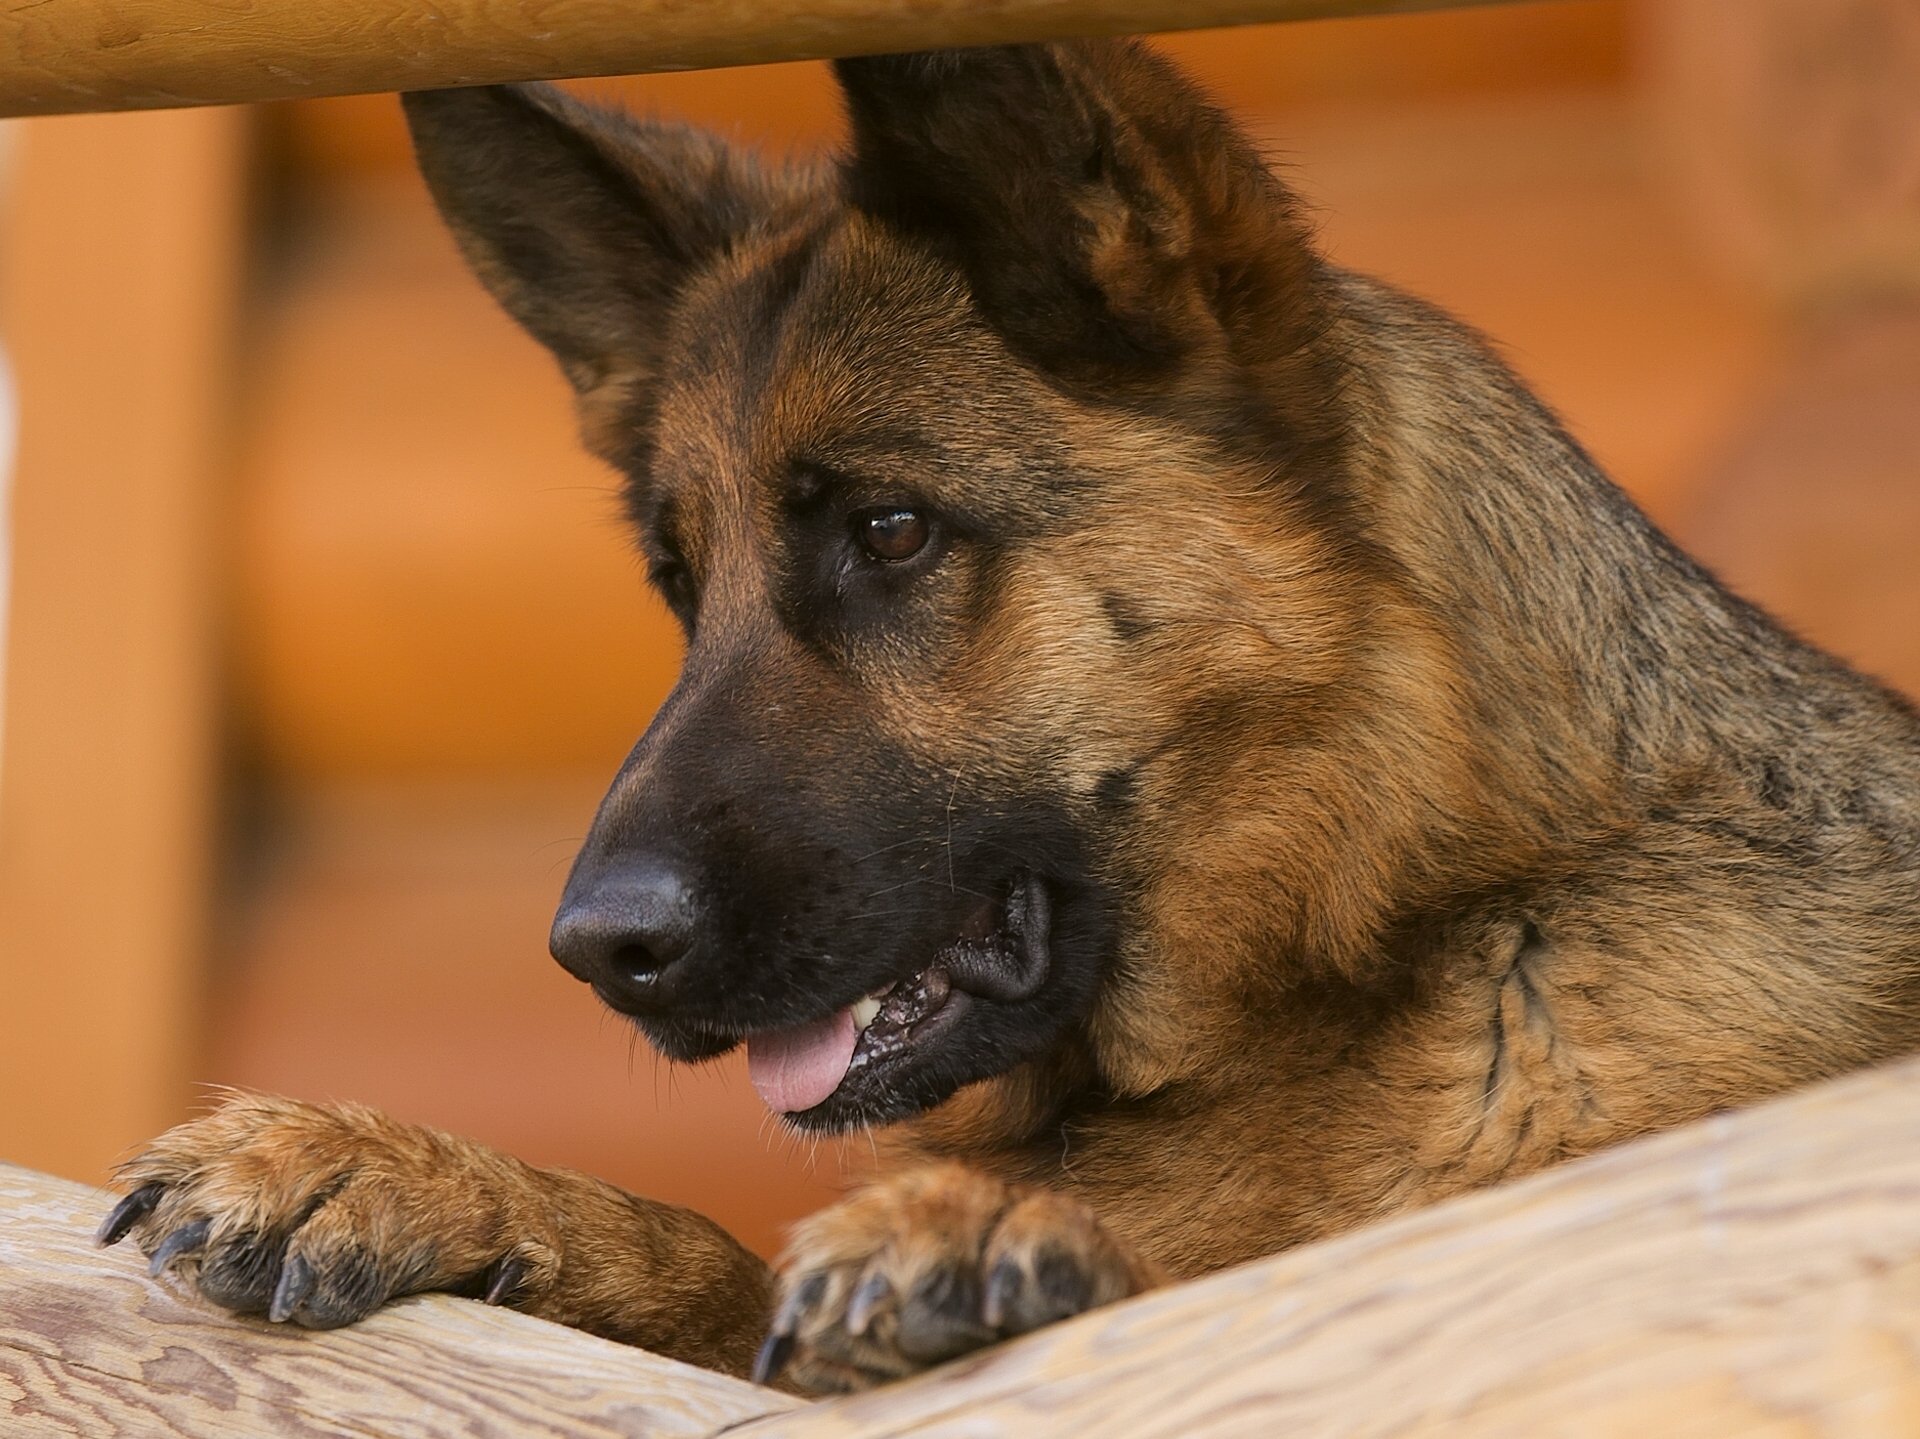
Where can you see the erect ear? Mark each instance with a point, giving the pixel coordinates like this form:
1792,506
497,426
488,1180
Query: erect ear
585,223
1110,220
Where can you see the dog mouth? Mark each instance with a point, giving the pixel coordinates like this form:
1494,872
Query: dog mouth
1001,956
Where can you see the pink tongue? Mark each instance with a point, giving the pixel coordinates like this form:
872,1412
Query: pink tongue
794,1069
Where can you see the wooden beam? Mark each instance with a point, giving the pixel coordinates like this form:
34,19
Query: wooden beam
1757,1273
69,55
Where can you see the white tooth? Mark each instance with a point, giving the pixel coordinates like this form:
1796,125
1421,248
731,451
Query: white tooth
864,1012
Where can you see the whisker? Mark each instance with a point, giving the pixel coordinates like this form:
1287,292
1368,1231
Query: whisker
952,795
901,913
899,844
922,879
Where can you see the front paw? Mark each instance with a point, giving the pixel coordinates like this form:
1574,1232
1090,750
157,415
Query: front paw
319,1214
930,1265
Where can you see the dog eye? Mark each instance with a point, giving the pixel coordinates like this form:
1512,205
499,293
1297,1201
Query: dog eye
891,532
672,580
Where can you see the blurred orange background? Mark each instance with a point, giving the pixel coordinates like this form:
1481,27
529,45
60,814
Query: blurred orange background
324,636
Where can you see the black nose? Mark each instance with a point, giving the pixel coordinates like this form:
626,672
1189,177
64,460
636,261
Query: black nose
623,928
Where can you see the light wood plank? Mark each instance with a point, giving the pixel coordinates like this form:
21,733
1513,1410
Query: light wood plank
90,1346
1756,1275
72,55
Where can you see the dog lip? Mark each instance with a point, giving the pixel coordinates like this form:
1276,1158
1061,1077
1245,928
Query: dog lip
1011,964
612,1000
1003,957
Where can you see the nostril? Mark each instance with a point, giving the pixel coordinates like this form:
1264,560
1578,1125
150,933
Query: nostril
636,963
621,928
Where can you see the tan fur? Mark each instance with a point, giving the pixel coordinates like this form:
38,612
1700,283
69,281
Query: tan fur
378,1208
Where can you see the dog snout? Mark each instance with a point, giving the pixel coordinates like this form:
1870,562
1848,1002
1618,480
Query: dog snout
625,929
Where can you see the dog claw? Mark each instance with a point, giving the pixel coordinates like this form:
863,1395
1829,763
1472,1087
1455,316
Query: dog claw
874,1291
773,1357
505,1279
779,1345
1003,1285
184,1240
296,1283
807,1296
129,1212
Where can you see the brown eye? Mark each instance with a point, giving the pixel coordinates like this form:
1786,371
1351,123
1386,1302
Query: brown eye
891,532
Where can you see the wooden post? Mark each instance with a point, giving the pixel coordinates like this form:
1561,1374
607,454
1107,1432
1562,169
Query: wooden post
1756,1273
74,55
119,272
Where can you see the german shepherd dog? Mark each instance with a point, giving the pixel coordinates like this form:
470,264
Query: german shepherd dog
1171,729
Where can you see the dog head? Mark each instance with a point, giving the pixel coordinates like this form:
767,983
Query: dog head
999,476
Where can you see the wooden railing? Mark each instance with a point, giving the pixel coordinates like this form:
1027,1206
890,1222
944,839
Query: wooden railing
69,55
1757,1273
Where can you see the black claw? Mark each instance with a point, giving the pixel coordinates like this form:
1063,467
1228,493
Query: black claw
295,1286
807,1295
185,1240
1003,1287
778,1348
505,1279
773,1357
872,1293
129,1212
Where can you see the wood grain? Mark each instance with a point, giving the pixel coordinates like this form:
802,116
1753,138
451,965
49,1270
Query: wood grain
1756,1274
89,1346
68,55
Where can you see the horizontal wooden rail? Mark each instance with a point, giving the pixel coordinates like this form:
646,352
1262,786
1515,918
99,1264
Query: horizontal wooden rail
67,55
1757,1273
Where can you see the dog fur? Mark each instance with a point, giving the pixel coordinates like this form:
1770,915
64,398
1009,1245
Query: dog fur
1416,814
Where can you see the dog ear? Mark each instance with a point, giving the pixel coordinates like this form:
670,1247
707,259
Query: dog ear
585,223
1112,223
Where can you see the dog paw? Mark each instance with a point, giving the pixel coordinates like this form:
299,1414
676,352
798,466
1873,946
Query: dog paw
320,1214
930,1265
